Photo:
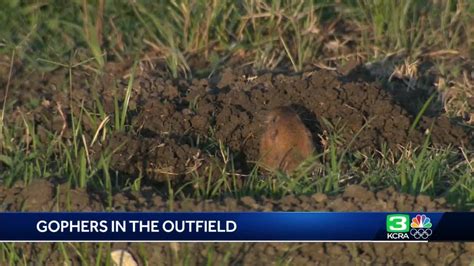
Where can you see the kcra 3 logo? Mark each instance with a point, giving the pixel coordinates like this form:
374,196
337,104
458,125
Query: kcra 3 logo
401,227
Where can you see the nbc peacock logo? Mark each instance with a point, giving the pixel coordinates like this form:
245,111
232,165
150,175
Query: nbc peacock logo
421,227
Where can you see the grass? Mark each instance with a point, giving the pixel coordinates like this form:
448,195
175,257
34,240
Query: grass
421,170
181,28
87,35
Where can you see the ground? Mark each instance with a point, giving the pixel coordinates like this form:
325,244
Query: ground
46,196
142,119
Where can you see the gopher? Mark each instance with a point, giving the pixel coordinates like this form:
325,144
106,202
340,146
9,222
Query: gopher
286,142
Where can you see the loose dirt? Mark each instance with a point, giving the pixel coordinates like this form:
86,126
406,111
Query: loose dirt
178,127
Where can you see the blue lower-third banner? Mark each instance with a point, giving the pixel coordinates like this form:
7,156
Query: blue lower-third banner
235,226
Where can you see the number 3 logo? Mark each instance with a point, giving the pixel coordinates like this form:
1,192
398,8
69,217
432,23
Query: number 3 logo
398,223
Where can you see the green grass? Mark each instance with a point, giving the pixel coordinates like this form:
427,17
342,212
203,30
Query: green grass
420,170
269,31
41,36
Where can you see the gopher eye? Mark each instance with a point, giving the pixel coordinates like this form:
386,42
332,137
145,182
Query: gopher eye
270,119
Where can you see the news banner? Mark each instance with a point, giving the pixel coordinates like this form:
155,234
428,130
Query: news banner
236,226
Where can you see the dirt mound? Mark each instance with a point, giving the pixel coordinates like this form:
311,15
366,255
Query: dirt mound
231,109
180,127
355,198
